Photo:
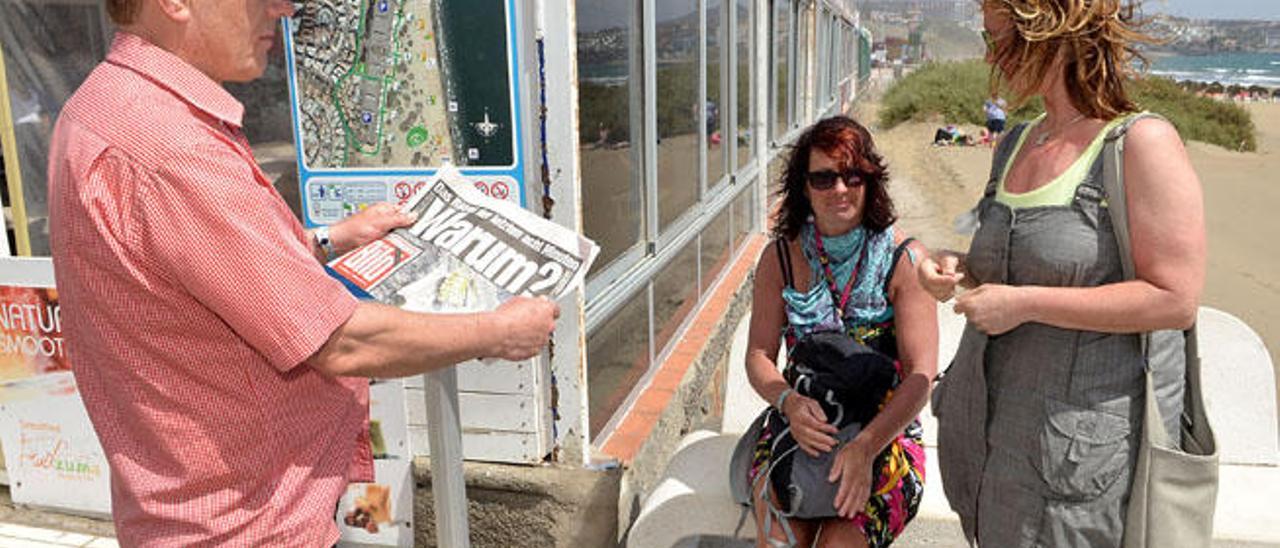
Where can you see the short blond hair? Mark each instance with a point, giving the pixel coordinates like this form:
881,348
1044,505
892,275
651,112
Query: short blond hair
123,12
1096,39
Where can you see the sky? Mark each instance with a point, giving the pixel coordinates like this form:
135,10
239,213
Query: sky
1217,9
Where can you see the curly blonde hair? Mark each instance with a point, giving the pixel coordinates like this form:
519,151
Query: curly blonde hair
1096,40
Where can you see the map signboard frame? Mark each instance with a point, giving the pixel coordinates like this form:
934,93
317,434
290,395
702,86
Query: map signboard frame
330,193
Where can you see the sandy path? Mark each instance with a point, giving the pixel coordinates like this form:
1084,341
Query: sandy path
1242,216
932,185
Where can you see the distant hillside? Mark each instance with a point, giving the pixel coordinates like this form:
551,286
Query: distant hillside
952,41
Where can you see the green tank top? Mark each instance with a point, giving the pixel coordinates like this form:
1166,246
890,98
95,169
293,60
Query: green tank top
1062,188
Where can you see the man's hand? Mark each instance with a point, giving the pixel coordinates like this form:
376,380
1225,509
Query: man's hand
809,424
368,225
525,326
940,273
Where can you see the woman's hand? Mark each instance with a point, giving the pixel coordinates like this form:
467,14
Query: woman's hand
852,468
809,424
993,308
370,224
940,273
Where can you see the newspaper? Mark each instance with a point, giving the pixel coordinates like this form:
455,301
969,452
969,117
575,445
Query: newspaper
467,252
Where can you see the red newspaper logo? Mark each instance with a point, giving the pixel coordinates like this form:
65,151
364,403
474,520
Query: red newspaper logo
368,265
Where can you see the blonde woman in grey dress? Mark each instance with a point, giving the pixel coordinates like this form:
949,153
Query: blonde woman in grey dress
1040,412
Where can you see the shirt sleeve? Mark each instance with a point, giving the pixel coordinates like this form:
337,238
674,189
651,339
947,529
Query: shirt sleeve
207,224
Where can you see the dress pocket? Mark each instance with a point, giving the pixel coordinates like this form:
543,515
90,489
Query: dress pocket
1082,451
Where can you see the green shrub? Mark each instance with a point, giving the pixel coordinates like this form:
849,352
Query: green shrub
956,91
1227,125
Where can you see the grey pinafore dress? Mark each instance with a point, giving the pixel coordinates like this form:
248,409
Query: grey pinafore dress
1039,427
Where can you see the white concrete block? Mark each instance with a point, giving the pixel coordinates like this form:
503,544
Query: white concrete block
1239,388
693,497
950,327
1247,509
741,403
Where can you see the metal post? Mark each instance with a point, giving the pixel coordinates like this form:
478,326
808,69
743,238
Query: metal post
444,434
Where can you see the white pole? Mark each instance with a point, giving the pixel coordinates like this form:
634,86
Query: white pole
444,434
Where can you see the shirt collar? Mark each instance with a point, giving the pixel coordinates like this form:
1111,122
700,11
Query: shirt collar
179,77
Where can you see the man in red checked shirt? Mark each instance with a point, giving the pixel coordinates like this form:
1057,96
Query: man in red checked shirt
224,372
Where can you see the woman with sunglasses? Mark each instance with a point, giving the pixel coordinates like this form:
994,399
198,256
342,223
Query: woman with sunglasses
1040,412
836,243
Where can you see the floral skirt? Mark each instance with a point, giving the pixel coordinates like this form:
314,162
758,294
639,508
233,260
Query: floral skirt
898,484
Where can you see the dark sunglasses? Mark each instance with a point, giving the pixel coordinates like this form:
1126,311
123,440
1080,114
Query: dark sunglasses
826,179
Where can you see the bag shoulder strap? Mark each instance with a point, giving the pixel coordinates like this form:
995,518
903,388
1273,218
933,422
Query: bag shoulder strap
897,256
784,262
1001,158
1117,201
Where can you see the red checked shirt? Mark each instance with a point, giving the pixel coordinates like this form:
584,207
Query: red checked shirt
190,302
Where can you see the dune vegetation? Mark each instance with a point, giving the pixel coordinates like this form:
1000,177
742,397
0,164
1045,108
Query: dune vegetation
956,90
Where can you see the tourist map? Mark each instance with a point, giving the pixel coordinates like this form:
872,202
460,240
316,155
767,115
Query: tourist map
385,92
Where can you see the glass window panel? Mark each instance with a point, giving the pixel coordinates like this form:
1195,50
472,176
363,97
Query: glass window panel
612,209
617,357
774,183
715,247
744,215
833,64
715,107
49,49
779,61
675,292
743,34
836,62
821,69
677,99
803,50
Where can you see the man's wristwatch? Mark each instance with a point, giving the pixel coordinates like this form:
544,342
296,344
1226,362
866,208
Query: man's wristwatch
323,241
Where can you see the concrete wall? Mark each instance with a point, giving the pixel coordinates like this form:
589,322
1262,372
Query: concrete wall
512,506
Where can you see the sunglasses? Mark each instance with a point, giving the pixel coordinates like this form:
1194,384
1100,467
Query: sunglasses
826,180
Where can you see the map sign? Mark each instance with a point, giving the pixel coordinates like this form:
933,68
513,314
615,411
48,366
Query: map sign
385,92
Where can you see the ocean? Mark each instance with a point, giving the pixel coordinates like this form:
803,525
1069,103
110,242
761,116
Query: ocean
1244,69
475,59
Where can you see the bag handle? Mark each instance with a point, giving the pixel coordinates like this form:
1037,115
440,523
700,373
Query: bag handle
1117,208
1118,204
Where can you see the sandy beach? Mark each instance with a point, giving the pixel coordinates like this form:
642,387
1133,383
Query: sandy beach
932,185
